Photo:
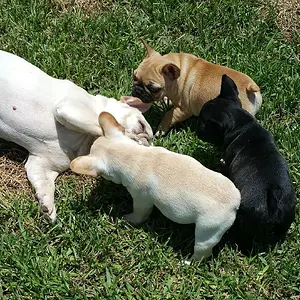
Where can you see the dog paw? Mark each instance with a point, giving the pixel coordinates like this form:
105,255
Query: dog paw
187,262
49,215
159,133
222,162
131,218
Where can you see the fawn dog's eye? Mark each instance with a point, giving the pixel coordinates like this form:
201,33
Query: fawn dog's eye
153,89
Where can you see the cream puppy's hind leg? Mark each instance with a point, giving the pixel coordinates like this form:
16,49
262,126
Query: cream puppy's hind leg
205,239
142,208
42,179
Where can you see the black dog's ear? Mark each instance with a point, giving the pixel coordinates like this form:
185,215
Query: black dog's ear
228,88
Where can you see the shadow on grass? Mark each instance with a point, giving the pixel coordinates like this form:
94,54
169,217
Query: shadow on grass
12,151
115,201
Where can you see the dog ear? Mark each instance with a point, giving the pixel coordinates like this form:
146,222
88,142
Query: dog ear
110,125
136,103
171,70
150,51
85,165
229,89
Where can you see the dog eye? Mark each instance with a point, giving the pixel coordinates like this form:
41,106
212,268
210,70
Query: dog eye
142,125
153,89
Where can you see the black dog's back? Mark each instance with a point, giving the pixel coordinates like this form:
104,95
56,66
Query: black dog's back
267,197
256,167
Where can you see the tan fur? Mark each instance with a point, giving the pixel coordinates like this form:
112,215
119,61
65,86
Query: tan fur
199,82
178,185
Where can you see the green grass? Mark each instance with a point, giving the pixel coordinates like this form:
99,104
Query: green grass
90,252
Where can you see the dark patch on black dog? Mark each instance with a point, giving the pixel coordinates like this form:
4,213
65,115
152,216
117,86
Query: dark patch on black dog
254,164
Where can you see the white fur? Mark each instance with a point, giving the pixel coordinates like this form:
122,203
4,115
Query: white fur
178,185
55,120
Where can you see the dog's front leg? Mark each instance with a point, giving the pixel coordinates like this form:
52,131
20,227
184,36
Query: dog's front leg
142,208
42,179
77,117
172,117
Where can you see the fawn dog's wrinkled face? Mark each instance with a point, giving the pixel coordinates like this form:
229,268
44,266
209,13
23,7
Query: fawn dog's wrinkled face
152,76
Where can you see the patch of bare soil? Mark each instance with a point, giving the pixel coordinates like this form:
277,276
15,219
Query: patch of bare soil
287,16
13,178
90,6
12,171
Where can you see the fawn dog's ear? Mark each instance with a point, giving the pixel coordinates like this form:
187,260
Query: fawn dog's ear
150,51
109,125
86,165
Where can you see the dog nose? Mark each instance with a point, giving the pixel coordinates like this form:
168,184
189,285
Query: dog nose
139,92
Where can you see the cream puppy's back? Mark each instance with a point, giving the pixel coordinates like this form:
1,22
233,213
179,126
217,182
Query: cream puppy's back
172,180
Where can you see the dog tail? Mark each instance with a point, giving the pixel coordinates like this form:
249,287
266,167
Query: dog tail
252,88
254,96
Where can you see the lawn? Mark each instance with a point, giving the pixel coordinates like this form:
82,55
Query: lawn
90,252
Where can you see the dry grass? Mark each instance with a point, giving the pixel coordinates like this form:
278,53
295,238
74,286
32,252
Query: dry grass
90,6
12,171
13,176
287,16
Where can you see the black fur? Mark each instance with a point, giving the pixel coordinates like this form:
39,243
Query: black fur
254,164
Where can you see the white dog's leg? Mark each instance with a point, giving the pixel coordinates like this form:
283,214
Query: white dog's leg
42,179
72,117
142,208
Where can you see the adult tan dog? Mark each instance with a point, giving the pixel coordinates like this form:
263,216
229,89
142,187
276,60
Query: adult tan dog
189,82
178,185
56,121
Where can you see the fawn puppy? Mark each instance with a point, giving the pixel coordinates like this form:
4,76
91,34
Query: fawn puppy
188,81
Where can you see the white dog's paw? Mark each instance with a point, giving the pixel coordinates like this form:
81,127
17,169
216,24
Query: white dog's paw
49,216
131,218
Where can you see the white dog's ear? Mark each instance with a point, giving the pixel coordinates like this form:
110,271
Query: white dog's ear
171,70
85,165
136,103
150,51
109,125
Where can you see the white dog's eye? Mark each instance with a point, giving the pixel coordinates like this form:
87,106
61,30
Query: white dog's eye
142,126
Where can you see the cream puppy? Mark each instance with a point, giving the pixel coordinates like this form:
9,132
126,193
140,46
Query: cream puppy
56,121
178,185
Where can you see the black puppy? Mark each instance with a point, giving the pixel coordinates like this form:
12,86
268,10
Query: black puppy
256,167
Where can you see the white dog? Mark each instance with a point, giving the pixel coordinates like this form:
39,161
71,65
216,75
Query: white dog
178,185
55,120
